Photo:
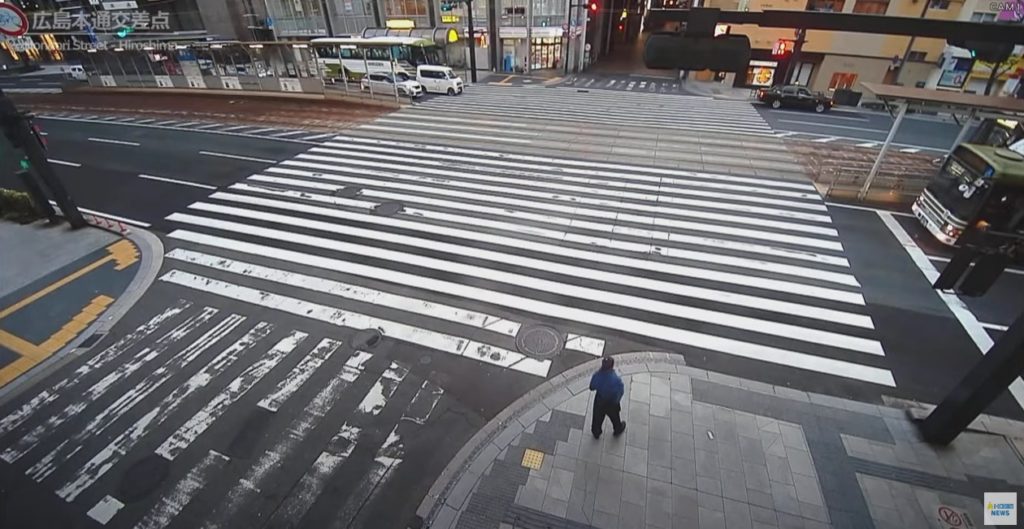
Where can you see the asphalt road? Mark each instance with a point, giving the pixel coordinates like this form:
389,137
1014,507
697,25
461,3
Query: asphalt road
295,248
921,132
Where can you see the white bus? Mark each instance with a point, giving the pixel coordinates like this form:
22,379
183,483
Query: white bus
357,54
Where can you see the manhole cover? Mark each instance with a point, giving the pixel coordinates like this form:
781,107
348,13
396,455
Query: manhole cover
348,192
539,341
143,477
388,209
366,339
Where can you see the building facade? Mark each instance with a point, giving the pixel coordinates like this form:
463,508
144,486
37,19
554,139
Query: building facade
957,70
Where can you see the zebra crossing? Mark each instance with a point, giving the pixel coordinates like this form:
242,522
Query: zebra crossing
607,107
198,363
626,84
272,133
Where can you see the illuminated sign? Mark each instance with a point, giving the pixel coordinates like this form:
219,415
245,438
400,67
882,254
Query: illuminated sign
453,36
400,23
13,21
722,29
450,19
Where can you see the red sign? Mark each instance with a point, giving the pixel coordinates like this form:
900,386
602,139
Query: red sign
950,516
13,21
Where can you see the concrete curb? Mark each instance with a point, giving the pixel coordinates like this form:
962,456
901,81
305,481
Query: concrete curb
546,395
151,252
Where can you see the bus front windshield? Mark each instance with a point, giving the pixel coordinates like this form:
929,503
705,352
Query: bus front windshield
959,189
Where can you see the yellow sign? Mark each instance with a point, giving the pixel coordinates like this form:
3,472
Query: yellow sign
453,36
450,19
400,23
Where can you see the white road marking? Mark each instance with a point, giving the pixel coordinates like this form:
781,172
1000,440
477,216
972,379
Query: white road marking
866,208
455,126
868,144
289,133
826,139
995,327
960,310
178,441
584,344
174,181
429,132
831,125
107,215
260,131
123,369
236,157
105,459
427,338
115,142
134,395
208,126
105,509
171,503
63,162
607,321
340,447
299,374
308,418
785,134
479,320
910,150
236,127
26,411
318,136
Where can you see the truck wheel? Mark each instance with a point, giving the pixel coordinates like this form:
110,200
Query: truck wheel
819,108
776,104
451,91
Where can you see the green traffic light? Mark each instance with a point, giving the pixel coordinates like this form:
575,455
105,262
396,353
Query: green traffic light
123,32
24,164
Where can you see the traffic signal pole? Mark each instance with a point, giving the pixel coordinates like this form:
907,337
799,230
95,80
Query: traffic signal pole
472,41
17,126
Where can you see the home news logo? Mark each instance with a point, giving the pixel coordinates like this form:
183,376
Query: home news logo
1000,508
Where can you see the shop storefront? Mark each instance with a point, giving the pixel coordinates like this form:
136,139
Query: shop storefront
761,73
546,51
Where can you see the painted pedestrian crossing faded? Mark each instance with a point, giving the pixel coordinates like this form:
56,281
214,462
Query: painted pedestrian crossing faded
277,133
640,107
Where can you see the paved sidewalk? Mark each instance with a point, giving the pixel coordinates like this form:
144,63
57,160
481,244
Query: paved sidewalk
710,451
61,290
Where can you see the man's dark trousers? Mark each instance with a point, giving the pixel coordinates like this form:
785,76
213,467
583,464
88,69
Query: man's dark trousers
604,408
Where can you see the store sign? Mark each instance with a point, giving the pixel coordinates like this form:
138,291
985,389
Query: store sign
400,23
13,21
761,73
99,21
450,19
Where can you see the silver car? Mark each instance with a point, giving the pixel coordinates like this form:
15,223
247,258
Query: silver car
382,83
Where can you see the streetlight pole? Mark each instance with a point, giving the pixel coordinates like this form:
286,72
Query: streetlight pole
472,41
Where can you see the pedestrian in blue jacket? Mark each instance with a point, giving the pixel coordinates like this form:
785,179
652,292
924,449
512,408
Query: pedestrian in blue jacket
609,390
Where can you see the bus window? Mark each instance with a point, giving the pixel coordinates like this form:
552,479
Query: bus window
401,53
326,52
377,54
351,53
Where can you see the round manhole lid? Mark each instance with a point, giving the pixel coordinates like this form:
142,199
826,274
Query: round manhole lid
143,477
367,339
348,192
539,341
388,209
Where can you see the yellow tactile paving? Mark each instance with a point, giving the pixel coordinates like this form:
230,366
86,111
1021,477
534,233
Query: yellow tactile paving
533,459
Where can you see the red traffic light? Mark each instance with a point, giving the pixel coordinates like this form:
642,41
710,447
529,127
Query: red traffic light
621,27
593,7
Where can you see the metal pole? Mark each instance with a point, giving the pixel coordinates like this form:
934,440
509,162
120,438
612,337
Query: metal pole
910,44
529,35
327,18
394,78
344,74
583,41
568,36
472,41
881,154
366,72
989,378
963,131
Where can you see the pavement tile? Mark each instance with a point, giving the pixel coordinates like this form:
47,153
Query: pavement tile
659,511
581,506
704,440
565,449
711,519
818,513
660,406
636,460
555,507
532,494
763,515
637,436
681,401
710,501
751,450
585,475
659,453
876,492
639,392
729,455
660,428
658,488
707,464
609,491
756,477
765,424
639,413
632,515
772,444
760,499
531,415
445,518
788,521
680,383
684,502
785,499
737,515
703,415
605,520
634,488
807,490
792,436
733,485
800,462
590,449
682,422
709,485
683,445
746,424
661,385
560,484
659,473
565,462
778,469
684,472
613,461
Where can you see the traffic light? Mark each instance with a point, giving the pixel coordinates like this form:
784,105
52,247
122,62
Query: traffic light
124,32
594,8
986,51
782,48
622,27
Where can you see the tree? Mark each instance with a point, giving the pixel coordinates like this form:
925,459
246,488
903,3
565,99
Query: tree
1014,15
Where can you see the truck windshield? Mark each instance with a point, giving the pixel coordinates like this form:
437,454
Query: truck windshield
959,189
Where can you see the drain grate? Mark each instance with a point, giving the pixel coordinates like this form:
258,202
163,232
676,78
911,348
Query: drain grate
367,339
539,341
388,209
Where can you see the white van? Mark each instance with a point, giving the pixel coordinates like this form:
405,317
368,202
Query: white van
75,71
439,79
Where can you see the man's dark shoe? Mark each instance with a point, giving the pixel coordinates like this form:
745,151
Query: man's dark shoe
618,433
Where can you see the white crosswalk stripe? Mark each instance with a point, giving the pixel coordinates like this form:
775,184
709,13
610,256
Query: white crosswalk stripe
638,107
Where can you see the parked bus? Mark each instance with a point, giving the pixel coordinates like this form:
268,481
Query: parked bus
357,54
977,185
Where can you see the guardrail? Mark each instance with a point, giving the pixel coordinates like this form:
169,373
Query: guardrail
898,180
